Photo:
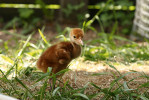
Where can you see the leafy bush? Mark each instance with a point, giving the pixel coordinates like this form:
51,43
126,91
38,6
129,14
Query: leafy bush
25,20
117,11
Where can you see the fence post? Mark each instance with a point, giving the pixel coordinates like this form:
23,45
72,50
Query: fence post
141,20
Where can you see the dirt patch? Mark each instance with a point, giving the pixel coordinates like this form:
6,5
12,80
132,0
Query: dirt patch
83,72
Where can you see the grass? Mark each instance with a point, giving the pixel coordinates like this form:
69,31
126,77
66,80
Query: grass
115,51
19,77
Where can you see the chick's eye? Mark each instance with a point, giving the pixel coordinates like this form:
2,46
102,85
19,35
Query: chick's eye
74,36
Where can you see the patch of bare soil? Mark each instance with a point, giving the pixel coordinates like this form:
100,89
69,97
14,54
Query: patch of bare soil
82,72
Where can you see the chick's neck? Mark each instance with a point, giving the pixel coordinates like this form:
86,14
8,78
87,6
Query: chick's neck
76,49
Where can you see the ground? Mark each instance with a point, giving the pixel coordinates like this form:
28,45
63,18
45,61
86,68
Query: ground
83,72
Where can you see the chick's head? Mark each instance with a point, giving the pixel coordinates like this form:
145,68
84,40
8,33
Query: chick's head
76,36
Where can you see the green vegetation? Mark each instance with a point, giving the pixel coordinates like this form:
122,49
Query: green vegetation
21,79
112,47
21,71
26,20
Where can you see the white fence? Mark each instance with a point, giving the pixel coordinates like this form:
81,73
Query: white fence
141,20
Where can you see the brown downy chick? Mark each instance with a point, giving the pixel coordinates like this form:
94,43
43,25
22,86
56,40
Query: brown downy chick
59,55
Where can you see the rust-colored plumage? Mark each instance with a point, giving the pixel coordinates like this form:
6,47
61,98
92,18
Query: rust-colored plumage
59,55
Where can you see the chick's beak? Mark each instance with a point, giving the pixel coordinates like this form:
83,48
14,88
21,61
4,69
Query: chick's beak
80,42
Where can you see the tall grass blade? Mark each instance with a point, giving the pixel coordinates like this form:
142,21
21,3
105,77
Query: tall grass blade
117,97
95,86
100,23
84,87
104,73
97,14
125,85
123,39
54,92
73,91
42,90
126,88
7,59
63,37
53,81
10,70
30,44
91,97
81,95
19,81
122,76
33,52
62,71
42,77
84,24
14,34
4,76
43,37
6,91
115,69
143,98
145,85
24,46
65,84
93,29
49,70
114,29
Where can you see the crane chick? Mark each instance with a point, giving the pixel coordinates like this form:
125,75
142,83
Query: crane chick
59,55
